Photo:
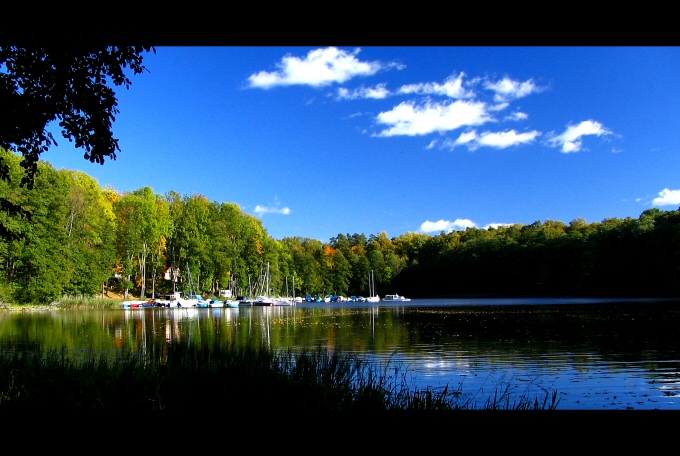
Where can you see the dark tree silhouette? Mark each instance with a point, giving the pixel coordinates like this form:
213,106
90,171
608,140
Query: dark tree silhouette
68,84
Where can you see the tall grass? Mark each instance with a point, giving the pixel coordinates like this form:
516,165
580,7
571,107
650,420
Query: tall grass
65,302
182,378
84,302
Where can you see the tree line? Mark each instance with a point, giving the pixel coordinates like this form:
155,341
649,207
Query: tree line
82,240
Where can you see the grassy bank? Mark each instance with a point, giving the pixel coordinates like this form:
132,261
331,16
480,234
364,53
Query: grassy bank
68,302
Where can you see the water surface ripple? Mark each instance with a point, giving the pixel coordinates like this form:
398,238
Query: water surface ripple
597,354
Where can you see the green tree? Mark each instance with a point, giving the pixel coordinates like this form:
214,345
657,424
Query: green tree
305,253
69,84
12,194
128,238
46,265
341,274
236,238
89,226
222,247
159,228
143,227
192,229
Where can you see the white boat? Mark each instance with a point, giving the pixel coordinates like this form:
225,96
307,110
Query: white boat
286,300
202,302
283,301
270,301
232,303
183,301
395,297
137,304
262,301
190,300
160,302
212,303
372,296
244,301
265,299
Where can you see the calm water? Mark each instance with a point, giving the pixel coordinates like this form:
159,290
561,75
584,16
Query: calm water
597,354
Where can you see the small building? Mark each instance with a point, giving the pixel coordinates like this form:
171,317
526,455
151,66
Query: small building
225,293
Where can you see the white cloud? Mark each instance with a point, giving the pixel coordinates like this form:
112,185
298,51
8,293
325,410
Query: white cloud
667,197
504,139
452,87
321,67
377,92
468,101
261,210
499,140
446,226
572,138
508,89
409,119
466,138
498,107
517,116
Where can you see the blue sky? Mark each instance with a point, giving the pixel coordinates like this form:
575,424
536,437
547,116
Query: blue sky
319,141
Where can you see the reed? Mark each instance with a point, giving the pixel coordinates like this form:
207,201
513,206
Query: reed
63,303
188,379
84,302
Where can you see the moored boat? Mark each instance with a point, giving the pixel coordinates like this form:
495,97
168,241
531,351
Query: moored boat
395,297
183,301
244,301
372,295
137,304
263,301
232,303
283,301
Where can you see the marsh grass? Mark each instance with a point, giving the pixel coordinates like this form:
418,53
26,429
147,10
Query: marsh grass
183,378
85,302
65,302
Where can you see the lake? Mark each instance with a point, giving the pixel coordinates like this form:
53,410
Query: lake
597,354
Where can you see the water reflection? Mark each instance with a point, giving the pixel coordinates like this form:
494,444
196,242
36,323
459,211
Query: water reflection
610,354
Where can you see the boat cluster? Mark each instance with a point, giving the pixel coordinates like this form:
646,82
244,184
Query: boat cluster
340,298
177,300
195,300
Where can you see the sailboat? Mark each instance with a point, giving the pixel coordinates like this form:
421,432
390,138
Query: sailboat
192,299
372,295
264,298
287,300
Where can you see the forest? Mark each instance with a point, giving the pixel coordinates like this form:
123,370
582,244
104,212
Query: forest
75,238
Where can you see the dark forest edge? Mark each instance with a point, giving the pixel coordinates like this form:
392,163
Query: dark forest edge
87,242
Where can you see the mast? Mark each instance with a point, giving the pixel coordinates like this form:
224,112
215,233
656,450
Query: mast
267,278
